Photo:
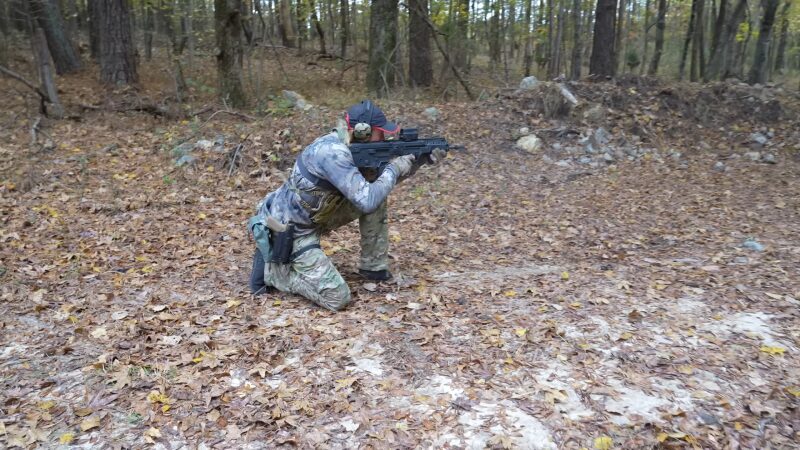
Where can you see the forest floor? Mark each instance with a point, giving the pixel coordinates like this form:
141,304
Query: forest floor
540,301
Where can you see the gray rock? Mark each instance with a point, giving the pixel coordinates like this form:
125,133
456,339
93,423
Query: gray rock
204,144
753,156
186,160
601,137
589,149
595,114
564,163
675,155
585,160
720,166
741,260
297,100
752,244
758,138
530,143
568,95
182,149
524,131
769,158
528,83
431,113
607,157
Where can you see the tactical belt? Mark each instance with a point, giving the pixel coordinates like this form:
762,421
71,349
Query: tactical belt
315,180
302,250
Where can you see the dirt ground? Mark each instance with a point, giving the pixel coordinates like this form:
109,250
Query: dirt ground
535,305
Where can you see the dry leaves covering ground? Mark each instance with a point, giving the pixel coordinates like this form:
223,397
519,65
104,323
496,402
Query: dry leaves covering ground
534,306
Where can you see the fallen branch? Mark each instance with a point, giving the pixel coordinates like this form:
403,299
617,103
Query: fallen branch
10,73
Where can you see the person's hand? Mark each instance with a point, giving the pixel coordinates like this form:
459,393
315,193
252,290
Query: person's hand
437,155
403,165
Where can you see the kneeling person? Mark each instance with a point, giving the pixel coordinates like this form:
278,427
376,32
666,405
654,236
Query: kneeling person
326,191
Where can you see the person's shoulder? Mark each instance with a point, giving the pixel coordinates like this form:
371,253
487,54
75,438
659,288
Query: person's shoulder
331,145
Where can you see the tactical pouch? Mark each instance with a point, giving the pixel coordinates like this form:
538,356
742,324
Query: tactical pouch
282,243
260,235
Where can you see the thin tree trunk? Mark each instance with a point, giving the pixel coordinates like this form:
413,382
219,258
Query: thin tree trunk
697,68
758,71
780,56
318,27
688,40
149,22
345,26
555,66
228,26
646,33
601,62
716,46
527,59
661,22
575,72
46,75
619,31
94,28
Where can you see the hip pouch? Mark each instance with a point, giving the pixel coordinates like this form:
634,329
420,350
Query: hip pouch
282,243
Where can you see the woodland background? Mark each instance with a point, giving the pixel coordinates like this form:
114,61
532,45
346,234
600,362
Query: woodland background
612,263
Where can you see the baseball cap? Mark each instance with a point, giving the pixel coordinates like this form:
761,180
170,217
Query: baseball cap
368,112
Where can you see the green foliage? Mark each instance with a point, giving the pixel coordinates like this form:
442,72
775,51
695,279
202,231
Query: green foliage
275,105
632,59
743,31
167,180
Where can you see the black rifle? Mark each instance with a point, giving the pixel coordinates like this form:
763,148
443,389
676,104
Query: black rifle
376,155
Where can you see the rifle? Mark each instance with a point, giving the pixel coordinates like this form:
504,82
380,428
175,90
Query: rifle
376,155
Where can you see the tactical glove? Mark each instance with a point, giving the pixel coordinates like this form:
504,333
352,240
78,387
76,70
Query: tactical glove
437,155
402,165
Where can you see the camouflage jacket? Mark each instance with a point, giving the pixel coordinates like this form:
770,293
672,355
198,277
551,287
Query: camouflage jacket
310,207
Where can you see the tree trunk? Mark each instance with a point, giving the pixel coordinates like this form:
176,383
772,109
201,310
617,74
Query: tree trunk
577,46
48,16
715,54
780,56
458,35
382,46
602,61
420,61
698,53
149,25
285,26
661,22
46,75
117,59
189,31
646,33
301,14
317,27
494,33
228,27
618,32
758,71
71,20
345,26
688,40
555,63
92,8
528,58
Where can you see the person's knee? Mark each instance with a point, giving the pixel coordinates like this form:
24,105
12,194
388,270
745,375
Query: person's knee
336,298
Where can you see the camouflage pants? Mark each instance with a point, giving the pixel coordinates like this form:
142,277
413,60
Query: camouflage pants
313,275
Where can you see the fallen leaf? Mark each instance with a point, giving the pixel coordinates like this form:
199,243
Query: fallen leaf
89,423
773,349
66,438
99,333
603,443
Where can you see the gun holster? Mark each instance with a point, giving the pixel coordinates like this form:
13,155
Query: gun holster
282,243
